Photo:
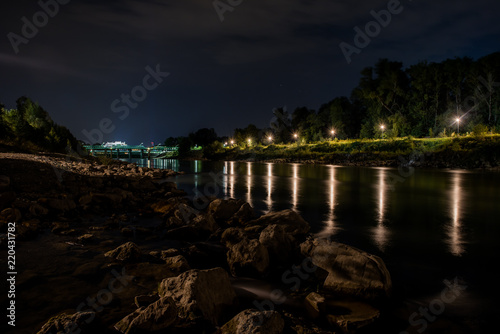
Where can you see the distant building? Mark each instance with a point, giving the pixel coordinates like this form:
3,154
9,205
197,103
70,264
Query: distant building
114,144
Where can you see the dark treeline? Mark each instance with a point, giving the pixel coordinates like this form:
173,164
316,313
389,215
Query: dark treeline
422,100
30,126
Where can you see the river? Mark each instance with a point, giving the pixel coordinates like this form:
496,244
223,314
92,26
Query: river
431,227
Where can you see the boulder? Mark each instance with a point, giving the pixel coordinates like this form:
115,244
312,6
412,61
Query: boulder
248,258
232,236
80,322
128,252
243,215
350,316
200,293
291,220
279,244
252,321
159,315
351,271
177,263
224,209
167,206
205,223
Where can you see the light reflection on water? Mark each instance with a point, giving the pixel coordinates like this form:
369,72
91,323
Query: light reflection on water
319,191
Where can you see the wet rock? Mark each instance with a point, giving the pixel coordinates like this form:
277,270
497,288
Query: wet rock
82,322
248,258
222,210
159,315
128,252
200,293
291,220
350,316
177,263
350,271
252,321
314,304
279,244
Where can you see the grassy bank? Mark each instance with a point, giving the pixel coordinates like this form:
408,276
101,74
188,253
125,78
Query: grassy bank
460,152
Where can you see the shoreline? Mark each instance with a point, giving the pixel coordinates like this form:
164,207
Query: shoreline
124,217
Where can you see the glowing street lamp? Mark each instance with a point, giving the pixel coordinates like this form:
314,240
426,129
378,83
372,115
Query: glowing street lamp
382,127
270,138
295,135
332,132
232,142
249,141
458,124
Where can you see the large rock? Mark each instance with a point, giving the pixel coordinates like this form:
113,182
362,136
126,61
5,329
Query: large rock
232,236
177,263
224,209
157,316
80,322
248,258
254,322
279,244
351,271
200,293
291,220
350,316
128,252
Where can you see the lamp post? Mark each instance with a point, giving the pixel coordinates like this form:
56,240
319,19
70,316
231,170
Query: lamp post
458,125
382,127
332,133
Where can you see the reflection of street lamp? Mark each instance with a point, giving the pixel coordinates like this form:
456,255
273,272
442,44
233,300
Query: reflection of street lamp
458,124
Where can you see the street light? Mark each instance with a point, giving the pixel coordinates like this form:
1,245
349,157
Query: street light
270,138
295,135
458,124
332,132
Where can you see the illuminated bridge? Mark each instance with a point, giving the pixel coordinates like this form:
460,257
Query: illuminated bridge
129,151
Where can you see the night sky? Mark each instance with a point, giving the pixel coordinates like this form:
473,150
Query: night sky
88,56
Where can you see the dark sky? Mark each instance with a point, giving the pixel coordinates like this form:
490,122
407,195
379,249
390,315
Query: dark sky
264,54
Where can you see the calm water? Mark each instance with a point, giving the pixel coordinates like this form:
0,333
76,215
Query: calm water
429,226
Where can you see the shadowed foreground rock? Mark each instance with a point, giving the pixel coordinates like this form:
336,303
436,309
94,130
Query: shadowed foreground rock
80,322
157,316
253,321
200,293
350,271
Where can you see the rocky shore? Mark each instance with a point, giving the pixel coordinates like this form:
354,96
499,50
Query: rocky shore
158,261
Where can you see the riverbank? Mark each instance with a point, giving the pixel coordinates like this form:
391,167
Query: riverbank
467,152
119,248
